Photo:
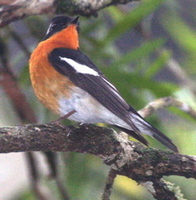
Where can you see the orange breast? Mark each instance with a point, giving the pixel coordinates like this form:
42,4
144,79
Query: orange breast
48,84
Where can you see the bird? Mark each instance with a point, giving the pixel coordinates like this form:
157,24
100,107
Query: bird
68,83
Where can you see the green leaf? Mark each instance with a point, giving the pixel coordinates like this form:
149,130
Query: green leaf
144,50
157,64
132,19
180,32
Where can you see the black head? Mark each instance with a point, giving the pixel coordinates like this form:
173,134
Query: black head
59,23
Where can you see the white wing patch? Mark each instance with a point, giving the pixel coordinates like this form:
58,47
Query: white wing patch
80,68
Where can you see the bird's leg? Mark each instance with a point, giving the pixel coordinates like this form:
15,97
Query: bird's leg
63,117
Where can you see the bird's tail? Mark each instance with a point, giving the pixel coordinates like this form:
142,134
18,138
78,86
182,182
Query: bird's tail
140,126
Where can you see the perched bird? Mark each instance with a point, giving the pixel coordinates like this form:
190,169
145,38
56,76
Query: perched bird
67,82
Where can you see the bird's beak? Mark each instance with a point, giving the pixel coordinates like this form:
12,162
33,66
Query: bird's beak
75,20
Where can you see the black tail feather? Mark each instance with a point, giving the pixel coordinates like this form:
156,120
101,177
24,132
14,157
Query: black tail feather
155,133
158,135
140,126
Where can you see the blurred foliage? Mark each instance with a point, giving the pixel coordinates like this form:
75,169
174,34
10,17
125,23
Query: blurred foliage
136,75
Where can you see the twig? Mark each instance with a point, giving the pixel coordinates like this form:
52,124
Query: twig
109,184
62,188
35,180
31,160
159,186
164,103
52,161
9,83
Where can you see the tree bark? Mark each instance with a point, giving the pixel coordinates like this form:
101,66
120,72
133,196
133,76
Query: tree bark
11,10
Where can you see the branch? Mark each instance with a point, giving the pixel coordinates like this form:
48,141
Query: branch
13,10
9,83
165,102
109,184
128,158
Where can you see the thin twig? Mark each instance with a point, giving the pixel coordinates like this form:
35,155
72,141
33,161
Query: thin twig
52,161
165,102
167,190
37,187
62,188
109,184
9,83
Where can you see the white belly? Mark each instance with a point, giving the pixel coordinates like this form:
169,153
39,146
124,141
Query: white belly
88,110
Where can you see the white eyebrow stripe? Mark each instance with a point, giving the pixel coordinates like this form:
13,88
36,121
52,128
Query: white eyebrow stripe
80,68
